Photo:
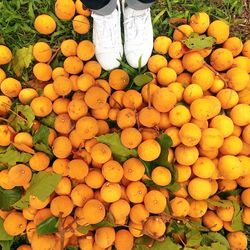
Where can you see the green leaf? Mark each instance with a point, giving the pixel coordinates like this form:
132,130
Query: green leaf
165,142
175,227
219,246
9,197
44,148
217,237
42,186
224,195
119,152
49,120
143,79
173,187
167,244
22,59
48,226
72,248
19,124
84,229
40,140
196,41
237,223
193,238
41,135
220,203
6,244
11,157
3,235
196,225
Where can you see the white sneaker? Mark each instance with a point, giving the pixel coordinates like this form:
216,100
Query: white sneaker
107,38
138,31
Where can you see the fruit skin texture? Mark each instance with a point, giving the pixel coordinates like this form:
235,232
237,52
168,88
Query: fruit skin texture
180,207
105,236
190,134
65,9
118,79
161,44
192,61
42,52
155,202
3,107
204,190
155,227
230,167
161,176
238,78
45,24
237,240
245,197
186,155
221,59
5,55
41,106
10,87
149,150
212,221
81,24
234,44
14,224
124,240
200,22
240,114
219,30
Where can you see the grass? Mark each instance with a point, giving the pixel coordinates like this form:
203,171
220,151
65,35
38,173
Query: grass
235,12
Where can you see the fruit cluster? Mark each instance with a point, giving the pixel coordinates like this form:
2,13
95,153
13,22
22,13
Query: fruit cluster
127,160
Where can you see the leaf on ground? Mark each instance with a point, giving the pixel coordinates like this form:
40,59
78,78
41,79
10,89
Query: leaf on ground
119,152
167,244
19,124
194,238
48,226
3,235
225,194
9,197
165,142
84,229
142,79
40,140
22,59
6,244
72,248
219,246
217,237
237,223
49,120
41,135
220,203
196,225
44,148
142,243
11,157
196,41
42,186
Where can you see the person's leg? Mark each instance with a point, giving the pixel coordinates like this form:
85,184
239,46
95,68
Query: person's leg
107,34
139,4
101,7
138,31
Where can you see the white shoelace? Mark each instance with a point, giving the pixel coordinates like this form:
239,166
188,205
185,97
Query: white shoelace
106,31
135,26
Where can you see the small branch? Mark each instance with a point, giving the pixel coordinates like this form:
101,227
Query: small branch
54,55
61,232
149,95
216,73
5,120
176,28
